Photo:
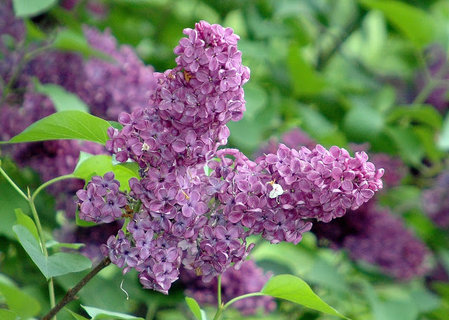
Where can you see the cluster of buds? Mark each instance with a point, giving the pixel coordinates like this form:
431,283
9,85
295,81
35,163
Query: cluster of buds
194,206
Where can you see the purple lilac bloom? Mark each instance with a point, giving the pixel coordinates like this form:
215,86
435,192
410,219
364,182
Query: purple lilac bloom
435,201
249,278
182,217
320,183
374,235
101,202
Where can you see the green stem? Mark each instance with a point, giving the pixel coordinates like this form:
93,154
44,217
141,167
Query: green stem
51,287
220,304
13,184
30,199
49,182
248,295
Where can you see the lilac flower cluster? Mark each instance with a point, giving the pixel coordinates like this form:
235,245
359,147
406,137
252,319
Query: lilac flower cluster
180,216
435,201
249,278
320,183
191,104
374,235
101,201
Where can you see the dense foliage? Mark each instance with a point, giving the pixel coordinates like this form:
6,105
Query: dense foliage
278,141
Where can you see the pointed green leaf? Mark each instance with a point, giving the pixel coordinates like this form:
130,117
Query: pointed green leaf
27,8
69,40
19,302
31,246
89,165
27,222
62,99
194,307
55,265
98,314
65,125
294,289
76,315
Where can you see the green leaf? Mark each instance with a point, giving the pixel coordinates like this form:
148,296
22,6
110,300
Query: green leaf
62,99
58,245
65,125
33,32
443,141
89,165
294,289
27,8
55,265
414,23
27,222
256,99
417,113
9,201
76,315
116,125
306,81
363,123
68,40
97,314
408,144
8,315
194,307
19,302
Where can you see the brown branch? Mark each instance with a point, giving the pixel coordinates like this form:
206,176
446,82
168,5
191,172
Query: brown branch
71,293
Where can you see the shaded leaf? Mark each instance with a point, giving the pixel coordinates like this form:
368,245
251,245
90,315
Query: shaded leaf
55,265
19,302
96,314
65,125
363,123
27,8
27,222
305,80
68,40
76,315
62,99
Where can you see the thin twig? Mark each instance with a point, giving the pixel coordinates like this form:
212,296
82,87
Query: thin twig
71,293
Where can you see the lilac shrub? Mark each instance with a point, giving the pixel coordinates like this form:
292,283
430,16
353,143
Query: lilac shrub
435,201
372,234
179,216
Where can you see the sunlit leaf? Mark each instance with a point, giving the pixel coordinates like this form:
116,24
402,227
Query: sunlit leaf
65,125
294,289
